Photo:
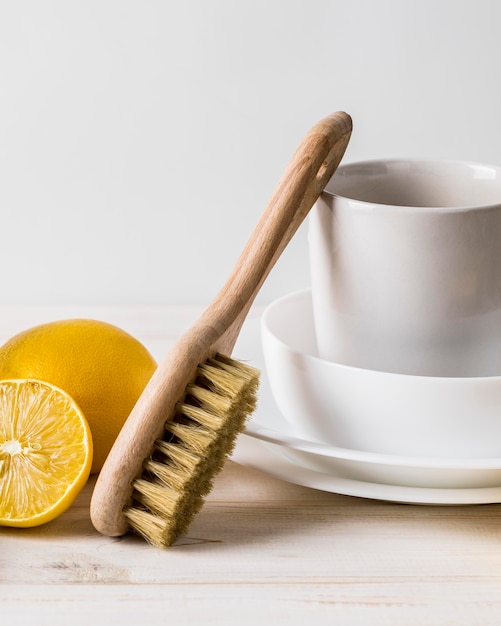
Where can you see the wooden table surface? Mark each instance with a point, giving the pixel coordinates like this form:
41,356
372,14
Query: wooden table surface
261,551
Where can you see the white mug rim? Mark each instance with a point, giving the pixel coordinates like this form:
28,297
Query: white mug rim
365,204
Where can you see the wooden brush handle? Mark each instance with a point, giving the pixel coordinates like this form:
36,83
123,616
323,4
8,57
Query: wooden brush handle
307,174
309,170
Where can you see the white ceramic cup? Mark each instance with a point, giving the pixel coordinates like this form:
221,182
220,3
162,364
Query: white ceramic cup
405,262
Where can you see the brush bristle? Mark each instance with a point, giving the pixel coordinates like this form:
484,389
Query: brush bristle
196,442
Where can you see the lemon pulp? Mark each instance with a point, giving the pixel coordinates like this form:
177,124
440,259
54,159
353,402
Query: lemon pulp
45,452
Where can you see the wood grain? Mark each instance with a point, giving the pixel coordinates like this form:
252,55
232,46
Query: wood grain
261,551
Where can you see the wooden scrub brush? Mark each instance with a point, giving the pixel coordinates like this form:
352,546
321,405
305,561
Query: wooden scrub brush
185,423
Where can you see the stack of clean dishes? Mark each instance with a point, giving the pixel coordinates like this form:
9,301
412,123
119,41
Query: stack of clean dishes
361,432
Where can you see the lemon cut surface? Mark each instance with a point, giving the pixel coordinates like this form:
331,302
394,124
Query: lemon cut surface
45,452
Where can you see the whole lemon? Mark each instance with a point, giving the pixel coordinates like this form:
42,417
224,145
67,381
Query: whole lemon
102,367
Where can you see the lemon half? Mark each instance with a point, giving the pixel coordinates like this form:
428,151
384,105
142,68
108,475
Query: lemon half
45,452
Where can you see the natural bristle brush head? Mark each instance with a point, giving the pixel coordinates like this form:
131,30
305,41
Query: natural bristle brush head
186,421
195,444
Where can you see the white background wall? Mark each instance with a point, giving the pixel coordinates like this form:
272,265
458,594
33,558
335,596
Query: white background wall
140,139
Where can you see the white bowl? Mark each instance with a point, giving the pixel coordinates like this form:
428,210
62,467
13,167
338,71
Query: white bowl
367,410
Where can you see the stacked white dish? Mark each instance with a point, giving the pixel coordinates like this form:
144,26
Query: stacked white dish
353,431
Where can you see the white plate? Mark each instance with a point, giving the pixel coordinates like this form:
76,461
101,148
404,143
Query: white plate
269,445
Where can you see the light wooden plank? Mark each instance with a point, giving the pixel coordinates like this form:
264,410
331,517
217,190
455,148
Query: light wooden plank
374,603
262,548
262,551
